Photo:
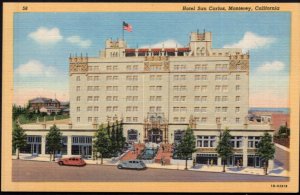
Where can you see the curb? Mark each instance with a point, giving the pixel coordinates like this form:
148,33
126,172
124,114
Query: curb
166,168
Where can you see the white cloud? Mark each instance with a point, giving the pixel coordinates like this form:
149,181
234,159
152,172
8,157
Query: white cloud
35,68
251,41
44,35
271,66
78,41
170,43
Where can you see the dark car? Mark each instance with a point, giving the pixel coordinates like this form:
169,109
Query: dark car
72,161
132,164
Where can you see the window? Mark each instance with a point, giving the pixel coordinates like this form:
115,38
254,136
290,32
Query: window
217,88
96,119
89,78
197,88
175,109
128,108
152,108
176,119
237,77
96,78
203,88
253,141
128,67
176,67
108,88
90,119
78,98
237,141
90,98
77,78
96,98
77,88
224,77
115,67
108,78
152,77
90,68
237,109
237,98
89,108
96,108
217,98
224,109
158,109
225,67
108,98
182,119
196,109
203,109
108,109
224,98
237,87
152,88
135,108
218,67
115,98
78,119
128,119
115,108
78,109
197,67
218,109
152,98
203,98
218,120
90,88
96,68
158,98
218,77
224,88
135,67
203,120
237,120
108,67
158,88
135,119
206,141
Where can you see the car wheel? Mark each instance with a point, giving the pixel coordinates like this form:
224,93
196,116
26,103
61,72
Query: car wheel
60,163
119,166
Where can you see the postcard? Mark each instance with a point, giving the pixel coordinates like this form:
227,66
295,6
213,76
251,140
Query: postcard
150,97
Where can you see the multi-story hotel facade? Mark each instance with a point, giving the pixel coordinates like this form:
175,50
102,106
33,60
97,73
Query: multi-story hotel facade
158,93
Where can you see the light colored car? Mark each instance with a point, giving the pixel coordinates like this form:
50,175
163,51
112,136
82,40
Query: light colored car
132,164
72,161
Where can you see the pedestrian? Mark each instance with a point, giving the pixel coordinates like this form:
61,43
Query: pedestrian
238,164
208,162
163,148
137,150
211,162
161,162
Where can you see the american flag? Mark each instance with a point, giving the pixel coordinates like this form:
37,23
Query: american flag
127,27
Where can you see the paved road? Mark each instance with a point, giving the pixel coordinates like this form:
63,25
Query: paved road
50,171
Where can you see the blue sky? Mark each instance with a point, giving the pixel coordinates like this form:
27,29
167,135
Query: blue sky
43,42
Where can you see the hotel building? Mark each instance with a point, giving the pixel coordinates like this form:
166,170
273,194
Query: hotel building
158,93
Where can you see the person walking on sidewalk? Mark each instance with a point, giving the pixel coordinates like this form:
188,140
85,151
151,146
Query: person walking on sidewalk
207,162
238,164
211,162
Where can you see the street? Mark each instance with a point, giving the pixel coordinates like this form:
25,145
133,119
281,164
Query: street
49,171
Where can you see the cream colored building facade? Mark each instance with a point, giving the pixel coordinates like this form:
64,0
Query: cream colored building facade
159,92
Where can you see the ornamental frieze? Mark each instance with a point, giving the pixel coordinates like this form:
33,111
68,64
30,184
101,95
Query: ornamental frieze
206,150
239,63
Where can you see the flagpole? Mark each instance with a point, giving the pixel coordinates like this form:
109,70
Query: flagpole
123,30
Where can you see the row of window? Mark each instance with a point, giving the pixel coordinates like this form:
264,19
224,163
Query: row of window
203,88
159,98
236,141
157,77
203,120
158,109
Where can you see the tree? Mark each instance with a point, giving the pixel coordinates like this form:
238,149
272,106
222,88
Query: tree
283,132
18,138
224,148
187,146
266,150
53,140
102,142
114,147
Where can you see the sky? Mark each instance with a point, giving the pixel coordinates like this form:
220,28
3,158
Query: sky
43,43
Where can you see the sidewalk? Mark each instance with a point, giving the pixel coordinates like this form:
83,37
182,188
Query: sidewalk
277,171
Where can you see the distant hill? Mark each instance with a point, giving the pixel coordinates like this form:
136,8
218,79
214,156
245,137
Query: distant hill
283,110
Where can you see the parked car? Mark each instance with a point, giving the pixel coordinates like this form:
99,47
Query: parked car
72,161
132,164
